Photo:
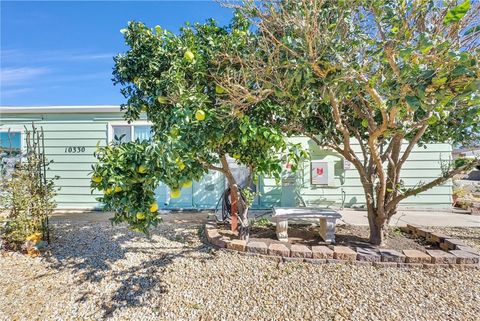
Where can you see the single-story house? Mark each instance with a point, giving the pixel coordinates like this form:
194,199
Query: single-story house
72,134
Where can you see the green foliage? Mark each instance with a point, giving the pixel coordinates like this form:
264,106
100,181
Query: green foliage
127,174
387,74
172,90
261,222
457,13
171,77
26,194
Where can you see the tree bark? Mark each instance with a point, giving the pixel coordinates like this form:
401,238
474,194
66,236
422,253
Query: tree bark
378,228
237,206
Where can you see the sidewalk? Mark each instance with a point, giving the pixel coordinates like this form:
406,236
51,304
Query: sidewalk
349,216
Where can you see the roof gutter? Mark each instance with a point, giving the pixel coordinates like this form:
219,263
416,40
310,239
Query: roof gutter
60,109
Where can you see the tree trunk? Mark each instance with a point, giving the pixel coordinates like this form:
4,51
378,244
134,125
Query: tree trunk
234,206
238,208
378,228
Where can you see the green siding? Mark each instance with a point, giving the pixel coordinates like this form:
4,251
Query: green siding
422,166
61,131
88,130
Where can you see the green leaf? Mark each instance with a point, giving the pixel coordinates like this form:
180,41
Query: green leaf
457,13
413,102
472,30
439,81
432,120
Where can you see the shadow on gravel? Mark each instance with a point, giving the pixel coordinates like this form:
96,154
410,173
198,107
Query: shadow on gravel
116,257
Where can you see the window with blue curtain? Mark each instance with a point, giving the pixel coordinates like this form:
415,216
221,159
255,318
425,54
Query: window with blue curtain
142,132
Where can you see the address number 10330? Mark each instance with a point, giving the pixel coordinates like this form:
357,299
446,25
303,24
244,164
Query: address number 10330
75,149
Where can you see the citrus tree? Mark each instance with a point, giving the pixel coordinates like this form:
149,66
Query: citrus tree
171,78
386,74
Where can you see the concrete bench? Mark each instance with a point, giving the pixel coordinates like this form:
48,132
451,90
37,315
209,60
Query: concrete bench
326,216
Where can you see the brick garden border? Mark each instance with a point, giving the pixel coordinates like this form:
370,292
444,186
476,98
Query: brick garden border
453,252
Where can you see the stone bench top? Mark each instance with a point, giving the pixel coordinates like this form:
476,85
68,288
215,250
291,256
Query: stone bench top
304,212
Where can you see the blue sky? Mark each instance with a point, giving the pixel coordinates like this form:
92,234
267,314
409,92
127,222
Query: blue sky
60,52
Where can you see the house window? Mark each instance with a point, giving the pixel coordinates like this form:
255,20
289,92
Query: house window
10,142
129,132
122,133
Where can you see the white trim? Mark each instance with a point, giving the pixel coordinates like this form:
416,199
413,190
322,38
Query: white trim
125,123
59,109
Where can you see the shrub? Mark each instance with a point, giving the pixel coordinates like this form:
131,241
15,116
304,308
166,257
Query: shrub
26,197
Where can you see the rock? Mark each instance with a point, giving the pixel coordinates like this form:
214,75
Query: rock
422,232
441,257
469,249
237,245
415,256
391,256
464,257
279,250
300,250
368,254
436,237
344,253
257,247
321,252
220,241
451,244
385,264
211,234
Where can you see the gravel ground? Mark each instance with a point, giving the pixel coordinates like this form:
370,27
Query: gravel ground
96,271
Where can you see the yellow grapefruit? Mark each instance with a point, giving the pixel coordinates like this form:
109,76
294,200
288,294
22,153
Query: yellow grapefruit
154,207
199,115
189,56
175,193
187,184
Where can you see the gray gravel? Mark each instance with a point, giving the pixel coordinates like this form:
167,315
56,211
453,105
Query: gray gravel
96,271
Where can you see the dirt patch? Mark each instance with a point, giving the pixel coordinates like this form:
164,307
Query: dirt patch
347,235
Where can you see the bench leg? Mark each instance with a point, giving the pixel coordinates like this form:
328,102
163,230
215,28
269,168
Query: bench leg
327,229
282,230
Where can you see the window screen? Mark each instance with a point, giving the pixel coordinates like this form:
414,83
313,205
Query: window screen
122,132
142,132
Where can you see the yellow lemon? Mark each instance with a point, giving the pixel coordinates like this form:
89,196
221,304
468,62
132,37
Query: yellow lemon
118,189
162,100
219,89
140,216
108,191
189,56
187,184
236,156
199,115
142,169
96,178
154,207
35,237
175,193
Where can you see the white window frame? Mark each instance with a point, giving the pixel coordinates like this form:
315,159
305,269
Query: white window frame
126,124
20,130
